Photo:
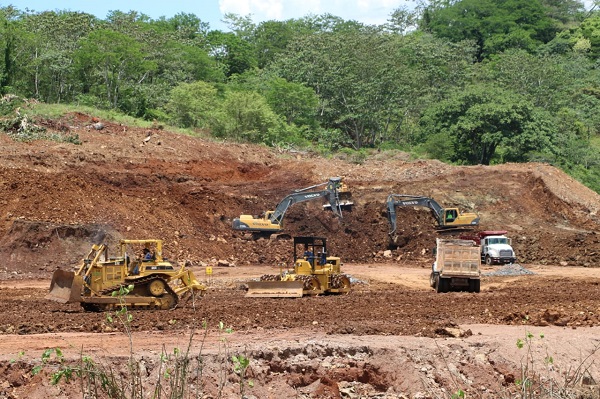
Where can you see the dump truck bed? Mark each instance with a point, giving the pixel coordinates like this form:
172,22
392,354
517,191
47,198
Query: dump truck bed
458,258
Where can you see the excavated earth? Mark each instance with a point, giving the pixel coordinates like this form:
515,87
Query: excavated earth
391,337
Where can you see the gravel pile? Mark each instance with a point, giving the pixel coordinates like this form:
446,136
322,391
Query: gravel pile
511,269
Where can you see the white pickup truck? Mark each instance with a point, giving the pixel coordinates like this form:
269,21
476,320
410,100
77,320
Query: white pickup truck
457,266
495,247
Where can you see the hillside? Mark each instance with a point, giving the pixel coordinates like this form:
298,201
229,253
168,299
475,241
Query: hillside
124,182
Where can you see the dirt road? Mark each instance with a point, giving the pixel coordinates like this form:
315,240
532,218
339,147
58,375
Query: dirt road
391,321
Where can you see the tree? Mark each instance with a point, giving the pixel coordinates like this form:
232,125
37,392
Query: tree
9,36
233,52
494,25
370,82
193,104
246,116
113,59
54,39
482,118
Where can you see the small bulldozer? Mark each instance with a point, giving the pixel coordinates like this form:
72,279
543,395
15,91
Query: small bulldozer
103,283
314,273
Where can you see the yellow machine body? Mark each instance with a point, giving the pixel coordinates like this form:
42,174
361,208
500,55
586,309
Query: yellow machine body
148,283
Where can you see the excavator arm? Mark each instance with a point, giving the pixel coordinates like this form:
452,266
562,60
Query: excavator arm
396,200
445,217
291,199
272,220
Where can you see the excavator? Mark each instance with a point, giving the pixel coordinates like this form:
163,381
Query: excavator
272,221
152,281
447,218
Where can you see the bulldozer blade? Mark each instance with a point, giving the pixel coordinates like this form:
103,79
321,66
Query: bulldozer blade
274,289
65,287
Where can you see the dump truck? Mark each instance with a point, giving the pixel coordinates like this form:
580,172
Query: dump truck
457,266
314,273
446,218
146,282
272,221
495,246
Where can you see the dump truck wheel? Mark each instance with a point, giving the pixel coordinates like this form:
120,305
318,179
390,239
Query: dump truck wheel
443,285
488,260
432,279
156,287
476,285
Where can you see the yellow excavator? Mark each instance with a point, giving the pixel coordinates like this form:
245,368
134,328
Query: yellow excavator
334,191
447,218
152,281
314,273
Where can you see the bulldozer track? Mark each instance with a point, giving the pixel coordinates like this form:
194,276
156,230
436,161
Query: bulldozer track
141,282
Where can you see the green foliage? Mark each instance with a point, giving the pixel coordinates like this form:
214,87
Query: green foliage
192,104
495,25
460,394
111,60
246,116
324,82
481,119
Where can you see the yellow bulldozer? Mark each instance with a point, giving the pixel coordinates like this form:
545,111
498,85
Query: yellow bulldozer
151,281
314,273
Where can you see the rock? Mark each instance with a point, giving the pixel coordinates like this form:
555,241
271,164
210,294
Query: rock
223,263
387,253
98,126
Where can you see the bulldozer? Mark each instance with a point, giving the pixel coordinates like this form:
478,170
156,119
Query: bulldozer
151,281
314,273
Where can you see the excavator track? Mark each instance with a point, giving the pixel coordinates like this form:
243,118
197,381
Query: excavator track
150,286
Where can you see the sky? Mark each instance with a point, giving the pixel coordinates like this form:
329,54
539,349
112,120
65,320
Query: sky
371,12
212,11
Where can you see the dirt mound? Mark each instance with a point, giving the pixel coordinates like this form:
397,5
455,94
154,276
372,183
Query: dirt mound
149,183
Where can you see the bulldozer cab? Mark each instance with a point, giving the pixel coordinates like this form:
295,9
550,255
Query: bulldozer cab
311,249
310,256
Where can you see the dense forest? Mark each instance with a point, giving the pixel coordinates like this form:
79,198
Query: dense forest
466,82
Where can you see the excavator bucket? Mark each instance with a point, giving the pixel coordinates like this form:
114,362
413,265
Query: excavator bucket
274,289
65,287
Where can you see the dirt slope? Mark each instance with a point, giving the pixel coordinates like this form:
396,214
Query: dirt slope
392,337
146,183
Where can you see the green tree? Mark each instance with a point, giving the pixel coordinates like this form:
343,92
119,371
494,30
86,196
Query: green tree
193,104
370,83
111,61
9,36
481,118
494,25
55,37
236,54
246,116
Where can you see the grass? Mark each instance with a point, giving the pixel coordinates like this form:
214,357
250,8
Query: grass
54,111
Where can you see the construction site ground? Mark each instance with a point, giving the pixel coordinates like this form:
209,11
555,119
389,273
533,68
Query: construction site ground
391,337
